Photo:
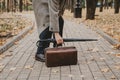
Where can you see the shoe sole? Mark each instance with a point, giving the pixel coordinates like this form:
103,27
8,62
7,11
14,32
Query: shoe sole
39,60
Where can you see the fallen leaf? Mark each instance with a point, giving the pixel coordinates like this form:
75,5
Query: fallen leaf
116,46
109,53
89,49
88,62
55,71
1,67
16,42
10,51
92,59
95,49
1,70
3,33
28,67
118,63
102,59
8,55
15,28
118,55
117,67
82,76
70,75
105,70
31,31
1,64
2,56
13,68
113,77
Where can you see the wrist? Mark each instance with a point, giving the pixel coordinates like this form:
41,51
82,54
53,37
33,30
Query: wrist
56,33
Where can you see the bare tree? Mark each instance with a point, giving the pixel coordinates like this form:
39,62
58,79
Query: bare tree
106,6
20,5
101,5
117,4
91,7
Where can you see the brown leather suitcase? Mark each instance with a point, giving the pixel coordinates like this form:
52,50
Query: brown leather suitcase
60,56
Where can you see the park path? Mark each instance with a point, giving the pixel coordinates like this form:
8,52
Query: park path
96,60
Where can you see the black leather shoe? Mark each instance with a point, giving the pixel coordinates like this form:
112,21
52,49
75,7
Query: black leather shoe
40,57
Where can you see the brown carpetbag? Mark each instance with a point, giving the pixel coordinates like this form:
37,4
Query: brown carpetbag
60,56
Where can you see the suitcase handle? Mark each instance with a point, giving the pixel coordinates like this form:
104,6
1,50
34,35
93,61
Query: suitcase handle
59,45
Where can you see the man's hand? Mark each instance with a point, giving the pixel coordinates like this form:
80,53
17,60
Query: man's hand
58,38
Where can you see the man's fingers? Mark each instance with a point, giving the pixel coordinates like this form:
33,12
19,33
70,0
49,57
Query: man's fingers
58,38
59,41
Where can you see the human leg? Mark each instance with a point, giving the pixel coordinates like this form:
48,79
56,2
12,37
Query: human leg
42,45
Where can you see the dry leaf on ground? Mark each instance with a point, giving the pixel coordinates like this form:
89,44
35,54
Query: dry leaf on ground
117,63
95,49
28,67
89,49
1,64
2,56
1,70
31,31
1,67
82,76
109,53
117,46
113,77
117,67
92,59
13,23
102,59
13,69
70,75
11,51
116,55
55,71
16,42
8,55
88,62
105,70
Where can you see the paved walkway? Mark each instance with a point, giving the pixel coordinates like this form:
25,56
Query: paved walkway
96,60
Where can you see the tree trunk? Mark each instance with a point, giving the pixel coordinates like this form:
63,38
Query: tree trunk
72,5
15,4
11,5
110,3
8,10
20,5
101,6
95,4
3,6
106,4
91,7
117,2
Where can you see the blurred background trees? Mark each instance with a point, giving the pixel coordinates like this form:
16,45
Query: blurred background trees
92,4
26,5
15,5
